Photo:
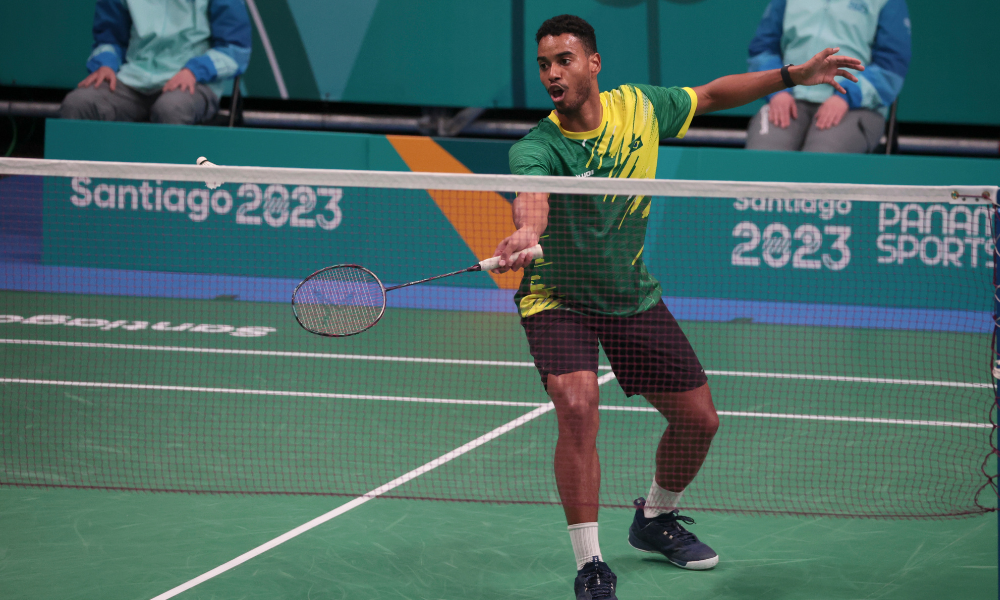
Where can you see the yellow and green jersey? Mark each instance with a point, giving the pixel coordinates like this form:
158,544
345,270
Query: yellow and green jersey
593,244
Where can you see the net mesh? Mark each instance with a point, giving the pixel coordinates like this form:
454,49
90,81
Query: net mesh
148,342
339,301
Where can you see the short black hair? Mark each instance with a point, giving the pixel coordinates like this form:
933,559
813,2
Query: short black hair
570,24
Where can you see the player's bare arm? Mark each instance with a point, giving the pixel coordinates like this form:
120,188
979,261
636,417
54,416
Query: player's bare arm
736,90
531,217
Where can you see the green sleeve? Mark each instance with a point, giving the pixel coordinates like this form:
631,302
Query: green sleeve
530,157
674,108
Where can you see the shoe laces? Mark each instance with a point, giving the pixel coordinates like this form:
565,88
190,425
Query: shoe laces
670,520
599,582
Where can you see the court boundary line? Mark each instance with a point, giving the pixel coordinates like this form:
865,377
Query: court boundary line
356,502
488,363
291,354
251,392
828,418
601,381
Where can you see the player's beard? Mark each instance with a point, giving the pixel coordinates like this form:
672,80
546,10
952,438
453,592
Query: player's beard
573,100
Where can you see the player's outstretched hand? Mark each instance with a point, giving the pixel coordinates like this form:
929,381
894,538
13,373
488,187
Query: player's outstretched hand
823,67
519,240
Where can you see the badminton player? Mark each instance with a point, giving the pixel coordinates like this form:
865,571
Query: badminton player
593,287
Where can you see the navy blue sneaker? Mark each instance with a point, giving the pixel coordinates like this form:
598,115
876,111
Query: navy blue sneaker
595,581
665,535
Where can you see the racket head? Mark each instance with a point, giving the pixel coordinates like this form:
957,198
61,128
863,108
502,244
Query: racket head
339,301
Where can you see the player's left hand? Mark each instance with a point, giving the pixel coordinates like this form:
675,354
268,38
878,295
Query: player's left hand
823,67
831,112
183,80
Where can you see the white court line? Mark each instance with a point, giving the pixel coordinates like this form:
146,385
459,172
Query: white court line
600,381
374,357
249,392
437,462
366,497
833,418
487,363
958,384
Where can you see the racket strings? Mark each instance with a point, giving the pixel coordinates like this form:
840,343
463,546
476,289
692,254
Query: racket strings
340,301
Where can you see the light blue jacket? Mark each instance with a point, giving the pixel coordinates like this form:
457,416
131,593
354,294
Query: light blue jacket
876,32
148,41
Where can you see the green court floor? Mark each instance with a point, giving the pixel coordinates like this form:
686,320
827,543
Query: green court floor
814,421
110,545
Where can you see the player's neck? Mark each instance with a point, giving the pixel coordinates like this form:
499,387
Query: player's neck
587,118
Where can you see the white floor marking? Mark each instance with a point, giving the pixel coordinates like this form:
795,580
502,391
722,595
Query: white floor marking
485,363
833,418
373,357
444,458
600,381
958,384
249,392
437,462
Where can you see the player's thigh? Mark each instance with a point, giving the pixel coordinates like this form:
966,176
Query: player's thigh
180,107
764,135
649,353
101,104
859,132
561,343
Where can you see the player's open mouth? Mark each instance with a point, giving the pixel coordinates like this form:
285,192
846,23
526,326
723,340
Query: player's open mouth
556,93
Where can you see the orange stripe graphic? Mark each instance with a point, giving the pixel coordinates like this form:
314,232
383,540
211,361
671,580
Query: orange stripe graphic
481,218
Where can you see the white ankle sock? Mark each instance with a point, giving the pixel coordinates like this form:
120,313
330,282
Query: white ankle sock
660,501
583,536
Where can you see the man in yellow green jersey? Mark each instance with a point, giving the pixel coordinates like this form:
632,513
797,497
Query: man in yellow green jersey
593,288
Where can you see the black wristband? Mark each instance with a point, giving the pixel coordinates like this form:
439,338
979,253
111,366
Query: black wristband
786,77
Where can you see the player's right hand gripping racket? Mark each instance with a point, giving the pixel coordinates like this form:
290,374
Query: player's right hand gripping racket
345,300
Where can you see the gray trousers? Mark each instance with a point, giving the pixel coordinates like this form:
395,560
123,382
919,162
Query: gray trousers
127,104
859,132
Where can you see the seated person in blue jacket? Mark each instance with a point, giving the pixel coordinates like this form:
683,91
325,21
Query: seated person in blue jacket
820,119
166,62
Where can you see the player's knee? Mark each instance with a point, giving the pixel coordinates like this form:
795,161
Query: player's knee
709,423
576,408
702,422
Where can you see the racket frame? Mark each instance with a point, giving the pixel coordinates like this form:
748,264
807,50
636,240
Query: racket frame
330,268
485,265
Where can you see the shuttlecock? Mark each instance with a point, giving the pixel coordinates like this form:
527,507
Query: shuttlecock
204,162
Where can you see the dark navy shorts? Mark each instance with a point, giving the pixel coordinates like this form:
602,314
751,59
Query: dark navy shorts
648,352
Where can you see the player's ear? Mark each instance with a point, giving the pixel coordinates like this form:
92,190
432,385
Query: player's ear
595,63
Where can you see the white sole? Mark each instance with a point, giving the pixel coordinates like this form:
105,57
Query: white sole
695,565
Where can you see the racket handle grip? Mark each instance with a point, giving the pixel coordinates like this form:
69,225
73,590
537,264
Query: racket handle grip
494,262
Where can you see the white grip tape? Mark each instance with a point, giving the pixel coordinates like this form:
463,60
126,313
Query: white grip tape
494,262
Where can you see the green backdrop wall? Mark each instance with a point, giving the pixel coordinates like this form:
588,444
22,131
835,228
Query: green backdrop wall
461,53
723,248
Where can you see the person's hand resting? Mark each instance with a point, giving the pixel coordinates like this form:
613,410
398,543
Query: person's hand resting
831,112
782,109
100,76
183,80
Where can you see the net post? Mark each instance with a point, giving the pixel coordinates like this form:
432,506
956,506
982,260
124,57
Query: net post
995,346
